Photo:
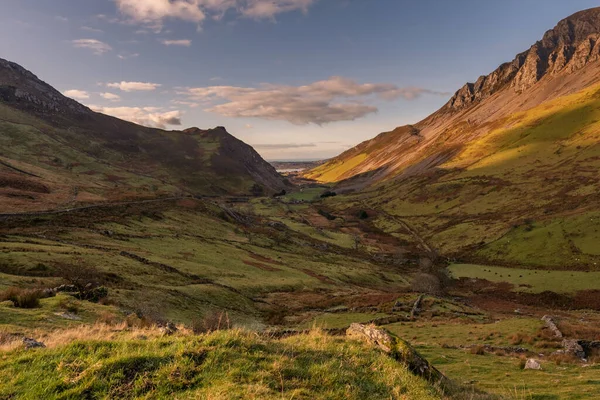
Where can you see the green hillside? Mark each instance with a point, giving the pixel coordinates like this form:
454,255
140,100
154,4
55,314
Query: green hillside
524,194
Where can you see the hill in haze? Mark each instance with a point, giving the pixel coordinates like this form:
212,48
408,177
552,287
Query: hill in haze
507,170
55,152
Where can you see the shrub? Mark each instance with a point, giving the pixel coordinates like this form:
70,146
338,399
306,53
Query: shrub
23,298
426,283
85,279
328,194
478,350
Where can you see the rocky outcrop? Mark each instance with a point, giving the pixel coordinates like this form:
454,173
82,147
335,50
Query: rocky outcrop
30,343
570,46
552,326
19,87
533,364
400,350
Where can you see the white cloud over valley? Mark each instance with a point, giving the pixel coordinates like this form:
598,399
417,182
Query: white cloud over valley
321,102
110,96
134,86
77,94
154,117
96,46
153,13
178,42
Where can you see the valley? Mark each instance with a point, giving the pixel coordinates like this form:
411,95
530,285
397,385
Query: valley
141,262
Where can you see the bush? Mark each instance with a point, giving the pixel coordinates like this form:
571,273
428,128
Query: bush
426,283
23,298
328,194
85,279
478,350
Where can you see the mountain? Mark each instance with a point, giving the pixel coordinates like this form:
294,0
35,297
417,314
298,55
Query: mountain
55,152
507,171
563,62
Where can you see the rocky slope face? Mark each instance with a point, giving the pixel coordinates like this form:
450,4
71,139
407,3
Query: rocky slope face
570,46
83,155
565,61
23,89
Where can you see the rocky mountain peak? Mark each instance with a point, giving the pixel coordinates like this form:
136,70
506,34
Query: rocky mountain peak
23,89
572,44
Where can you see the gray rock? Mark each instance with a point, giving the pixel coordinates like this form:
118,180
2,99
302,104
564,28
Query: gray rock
32,343
533,364
572,347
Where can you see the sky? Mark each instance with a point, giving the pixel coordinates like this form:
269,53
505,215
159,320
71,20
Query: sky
296,79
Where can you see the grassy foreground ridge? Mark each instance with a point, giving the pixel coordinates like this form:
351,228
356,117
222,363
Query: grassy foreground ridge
103,362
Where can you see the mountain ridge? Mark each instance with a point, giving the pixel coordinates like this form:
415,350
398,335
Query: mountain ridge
514,86
98,157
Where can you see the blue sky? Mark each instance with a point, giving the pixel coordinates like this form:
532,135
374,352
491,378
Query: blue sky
297,79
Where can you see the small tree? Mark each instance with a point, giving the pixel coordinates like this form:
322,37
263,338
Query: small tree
426,283
84,278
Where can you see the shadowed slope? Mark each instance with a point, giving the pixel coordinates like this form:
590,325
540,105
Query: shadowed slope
81,155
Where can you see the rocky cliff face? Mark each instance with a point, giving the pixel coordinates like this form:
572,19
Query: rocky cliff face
572,44
21,88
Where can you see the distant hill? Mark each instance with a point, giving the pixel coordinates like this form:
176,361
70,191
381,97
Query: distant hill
506,171
55,152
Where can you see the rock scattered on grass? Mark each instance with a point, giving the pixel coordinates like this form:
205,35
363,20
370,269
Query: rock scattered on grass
31,343
533,364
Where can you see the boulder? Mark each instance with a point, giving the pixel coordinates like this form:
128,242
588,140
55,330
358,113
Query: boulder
574,348
552,326
399,350
532,364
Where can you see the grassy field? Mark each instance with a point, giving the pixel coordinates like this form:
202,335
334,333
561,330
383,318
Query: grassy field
182,260
497,371
221,365
534,281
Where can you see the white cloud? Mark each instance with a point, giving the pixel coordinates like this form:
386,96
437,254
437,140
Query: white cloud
134,86
331,100
268,8
96,46
180,42
153,12
77,94
126,55
110,96
61,18
90,29
148,116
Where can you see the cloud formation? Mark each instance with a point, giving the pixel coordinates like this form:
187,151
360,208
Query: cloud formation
331,100
134,86
96,46
77,94
110,96
153,117
179,42
153,12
